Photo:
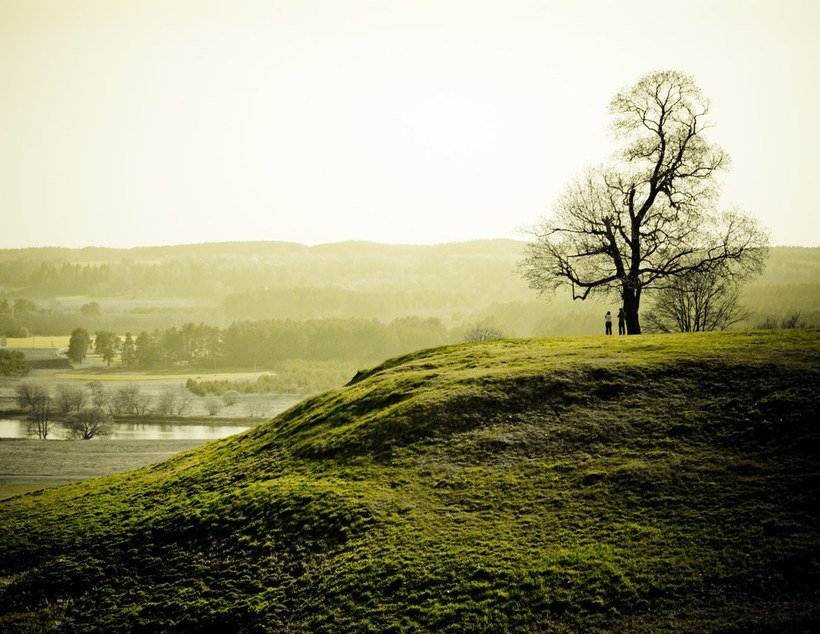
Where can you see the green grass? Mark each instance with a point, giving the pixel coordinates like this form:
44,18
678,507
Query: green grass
13,490
29,465
659,483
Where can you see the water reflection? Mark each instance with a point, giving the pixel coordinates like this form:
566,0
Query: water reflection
134,431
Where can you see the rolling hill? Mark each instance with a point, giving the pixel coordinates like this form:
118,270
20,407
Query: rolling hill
666,482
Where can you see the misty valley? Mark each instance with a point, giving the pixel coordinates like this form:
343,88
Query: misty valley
198,342
608,427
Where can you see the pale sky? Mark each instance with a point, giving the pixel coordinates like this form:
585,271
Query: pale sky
143,122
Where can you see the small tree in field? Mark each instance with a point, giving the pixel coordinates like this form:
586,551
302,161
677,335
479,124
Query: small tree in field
648,216
482,332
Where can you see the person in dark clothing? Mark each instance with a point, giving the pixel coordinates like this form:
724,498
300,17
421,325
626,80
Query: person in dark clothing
608,321
621,321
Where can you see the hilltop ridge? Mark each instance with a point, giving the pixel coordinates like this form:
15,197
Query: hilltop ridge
653,483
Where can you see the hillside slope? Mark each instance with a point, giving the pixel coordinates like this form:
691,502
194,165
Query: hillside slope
652,483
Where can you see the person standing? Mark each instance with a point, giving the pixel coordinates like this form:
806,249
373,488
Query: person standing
608,321
621,321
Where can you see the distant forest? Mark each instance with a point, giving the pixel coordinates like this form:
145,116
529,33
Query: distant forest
268,343
51,291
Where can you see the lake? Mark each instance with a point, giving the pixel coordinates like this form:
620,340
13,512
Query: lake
136,431
208,429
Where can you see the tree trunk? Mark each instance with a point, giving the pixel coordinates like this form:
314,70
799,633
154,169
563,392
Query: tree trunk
632,302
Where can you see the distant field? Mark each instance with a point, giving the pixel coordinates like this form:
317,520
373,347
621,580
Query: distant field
27,465
115,375
49,341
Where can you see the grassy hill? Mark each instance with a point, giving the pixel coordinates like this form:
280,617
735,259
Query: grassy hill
652,483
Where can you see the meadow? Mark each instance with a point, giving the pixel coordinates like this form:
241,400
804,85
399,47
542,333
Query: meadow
123,375
30,465
656,483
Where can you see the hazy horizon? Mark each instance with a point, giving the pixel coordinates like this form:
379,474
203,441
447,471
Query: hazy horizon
171,245
132,124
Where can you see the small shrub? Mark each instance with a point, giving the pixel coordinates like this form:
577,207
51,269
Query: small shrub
256,408
769,323
213,405
129,400
173,402
482,332
70,398
231,397
793,320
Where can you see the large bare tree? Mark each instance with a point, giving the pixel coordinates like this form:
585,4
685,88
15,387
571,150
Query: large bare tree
649,216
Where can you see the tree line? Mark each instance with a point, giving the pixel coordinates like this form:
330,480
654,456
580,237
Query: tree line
89,413
218,270
83,414
261,343
456,283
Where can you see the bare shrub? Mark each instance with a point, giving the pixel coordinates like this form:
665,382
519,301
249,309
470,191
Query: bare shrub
173,401
482,332
70,398
793,320
213,405
166,402
769,323
256,408
231,397
128,399
100,397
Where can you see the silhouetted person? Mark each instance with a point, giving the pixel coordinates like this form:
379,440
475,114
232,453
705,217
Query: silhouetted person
608,320
621,321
